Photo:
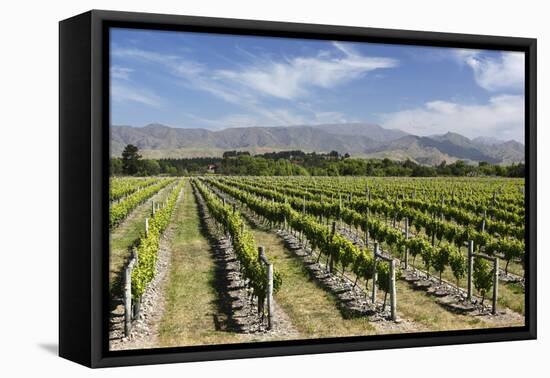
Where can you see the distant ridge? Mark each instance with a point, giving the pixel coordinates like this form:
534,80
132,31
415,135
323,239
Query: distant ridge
357,139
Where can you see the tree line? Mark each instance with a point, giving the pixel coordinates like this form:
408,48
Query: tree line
299,163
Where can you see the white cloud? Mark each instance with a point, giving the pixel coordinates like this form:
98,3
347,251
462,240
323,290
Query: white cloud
284,78
265,78
123,93
501,117
189,73
120,73
507,72
293,78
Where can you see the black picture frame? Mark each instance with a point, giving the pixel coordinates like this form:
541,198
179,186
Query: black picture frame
84,172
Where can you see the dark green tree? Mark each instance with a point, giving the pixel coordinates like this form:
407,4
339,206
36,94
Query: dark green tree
149,167
130,160
116,166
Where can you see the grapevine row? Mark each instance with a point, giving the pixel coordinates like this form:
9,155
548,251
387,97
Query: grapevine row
243,244
470,203
122,187
431,208
510,248
338,249
438,257
148,244
120,210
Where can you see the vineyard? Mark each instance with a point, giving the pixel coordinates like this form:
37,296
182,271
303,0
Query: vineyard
221,259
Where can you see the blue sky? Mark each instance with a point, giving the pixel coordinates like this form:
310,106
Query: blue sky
215,81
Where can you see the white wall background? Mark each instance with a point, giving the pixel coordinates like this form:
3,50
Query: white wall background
28,151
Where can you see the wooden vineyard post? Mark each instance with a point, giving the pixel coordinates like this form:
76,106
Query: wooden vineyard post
128,293
146,227
393,292
269,291
495,285
261,253
234,208
394,221
470,268
270,296
340,209
304,205
127,300
406,238
153,208
367,228
483,221
374,273
433,232
495,262
331,260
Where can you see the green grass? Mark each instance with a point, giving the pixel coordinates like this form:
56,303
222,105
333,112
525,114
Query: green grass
511,295
416,305
312,310
191,312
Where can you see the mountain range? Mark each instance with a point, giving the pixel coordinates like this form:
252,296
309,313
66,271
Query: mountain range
356,139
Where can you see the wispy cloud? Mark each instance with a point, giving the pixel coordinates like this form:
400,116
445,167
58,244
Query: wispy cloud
123,92
291,78
189,73
505,72
263,78
120,73
502,117
123,89
285,78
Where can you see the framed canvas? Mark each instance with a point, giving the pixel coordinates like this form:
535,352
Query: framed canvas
235,188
